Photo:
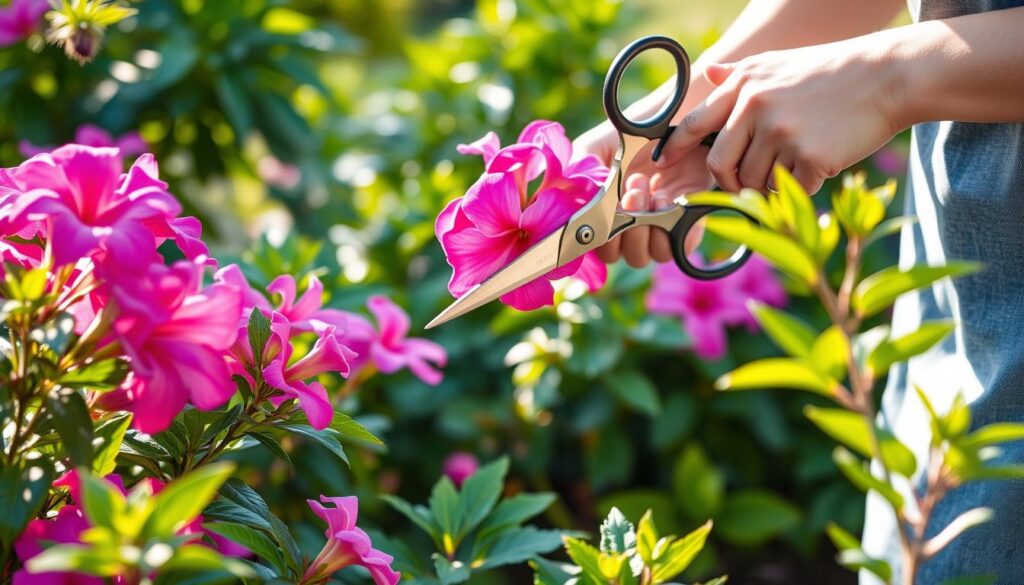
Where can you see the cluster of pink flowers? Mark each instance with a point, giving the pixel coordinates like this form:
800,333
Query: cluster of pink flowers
20,19
96,228
498,218
67,526
707,307
346,545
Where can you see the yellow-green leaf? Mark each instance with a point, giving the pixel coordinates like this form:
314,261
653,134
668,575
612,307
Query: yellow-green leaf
678,556
860,476
850,429
797,208
903,348
792,335
881,289
748,201
830,352
782,252
778,373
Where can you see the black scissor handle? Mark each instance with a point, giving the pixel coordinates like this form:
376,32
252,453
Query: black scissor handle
659,125
691,215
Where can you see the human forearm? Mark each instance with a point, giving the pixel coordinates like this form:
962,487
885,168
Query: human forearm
969,68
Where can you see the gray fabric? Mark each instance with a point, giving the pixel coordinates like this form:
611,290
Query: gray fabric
966,185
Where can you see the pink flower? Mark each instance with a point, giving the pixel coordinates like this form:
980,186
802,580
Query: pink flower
327,355
388,347
891,159
459,466
177,335
129,143
64,528
709,306
20,19
346,545
498,219
84,206
279,174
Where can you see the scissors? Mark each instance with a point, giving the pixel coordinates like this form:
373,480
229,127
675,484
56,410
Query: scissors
601,219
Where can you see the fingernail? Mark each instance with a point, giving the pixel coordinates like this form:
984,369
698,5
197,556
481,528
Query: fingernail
661,200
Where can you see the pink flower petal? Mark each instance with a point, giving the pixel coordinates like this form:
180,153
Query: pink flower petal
392,321
592,272
487,147
474,256
493,205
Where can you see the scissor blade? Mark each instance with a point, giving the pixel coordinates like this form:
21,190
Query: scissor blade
540,259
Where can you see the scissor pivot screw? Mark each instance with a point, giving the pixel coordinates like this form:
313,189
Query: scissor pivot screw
585,234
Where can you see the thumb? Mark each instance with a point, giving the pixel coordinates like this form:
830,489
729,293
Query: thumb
717,73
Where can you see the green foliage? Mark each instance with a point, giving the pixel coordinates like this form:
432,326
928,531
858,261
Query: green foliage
627,555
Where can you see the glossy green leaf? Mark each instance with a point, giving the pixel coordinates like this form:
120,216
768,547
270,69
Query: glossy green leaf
255,540
647,538
840,538
697,484
445,508
678,556
881,289
348,429
889,227
781,252
273,446
418,515
747,201
514,511
70,418
184,498
103,504
828,237
479,493
830,353
861,477
778,373
993,434
856,559
635,390
901,349
797,209
259,333
107,443
101,375
517,545
751,517
850,429
585,556
327,438
792,335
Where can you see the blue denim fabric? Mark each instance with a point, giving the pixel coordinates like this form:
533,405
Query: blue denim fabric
966,185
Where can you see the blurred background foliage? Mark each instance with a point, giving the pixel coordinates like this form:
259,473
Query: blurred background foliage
325,130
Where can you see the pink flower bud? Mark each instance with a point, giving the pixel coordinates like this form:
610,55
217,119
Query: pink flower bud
459,466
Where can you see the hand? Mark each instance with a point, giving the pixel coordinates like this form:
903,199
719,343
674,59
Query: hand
814,110
647,189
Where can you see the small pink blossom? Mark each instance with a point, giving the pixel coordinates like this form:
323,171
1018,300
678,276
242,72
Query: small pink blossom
84,206
388,346
346,545
707,307
459,466
129,143
20,19
498,219
891,159
279,174
177,334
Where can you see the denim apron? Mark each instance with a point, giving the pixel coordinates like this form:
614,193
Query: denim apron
966,186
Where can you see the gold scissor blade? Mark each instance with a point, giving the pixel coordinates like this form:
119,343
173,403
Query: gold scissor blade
540,259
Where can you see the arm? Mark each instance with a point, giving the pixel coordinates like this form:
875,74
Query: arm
818,110
763,25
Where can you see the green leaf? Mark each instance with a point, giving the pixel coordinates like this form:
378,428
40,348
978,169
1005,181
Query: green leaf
109,436
697,484
418,515
547,572
478,495
197,557
103,504
273,446
778,373
881,289
256,541
828,238
444,505
327,438
22,493
234,103
71,420
901,349
678,556
515,510
65,558
752,517
792,335
449,573
348,428
747,201
798,211
840,538
142,444
259,334
647,539
634,390
856,559
829,353
617,533
585,556
993,434
220,423
518,545
861,477
780,251
850,429
101,375
184,498
888,228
